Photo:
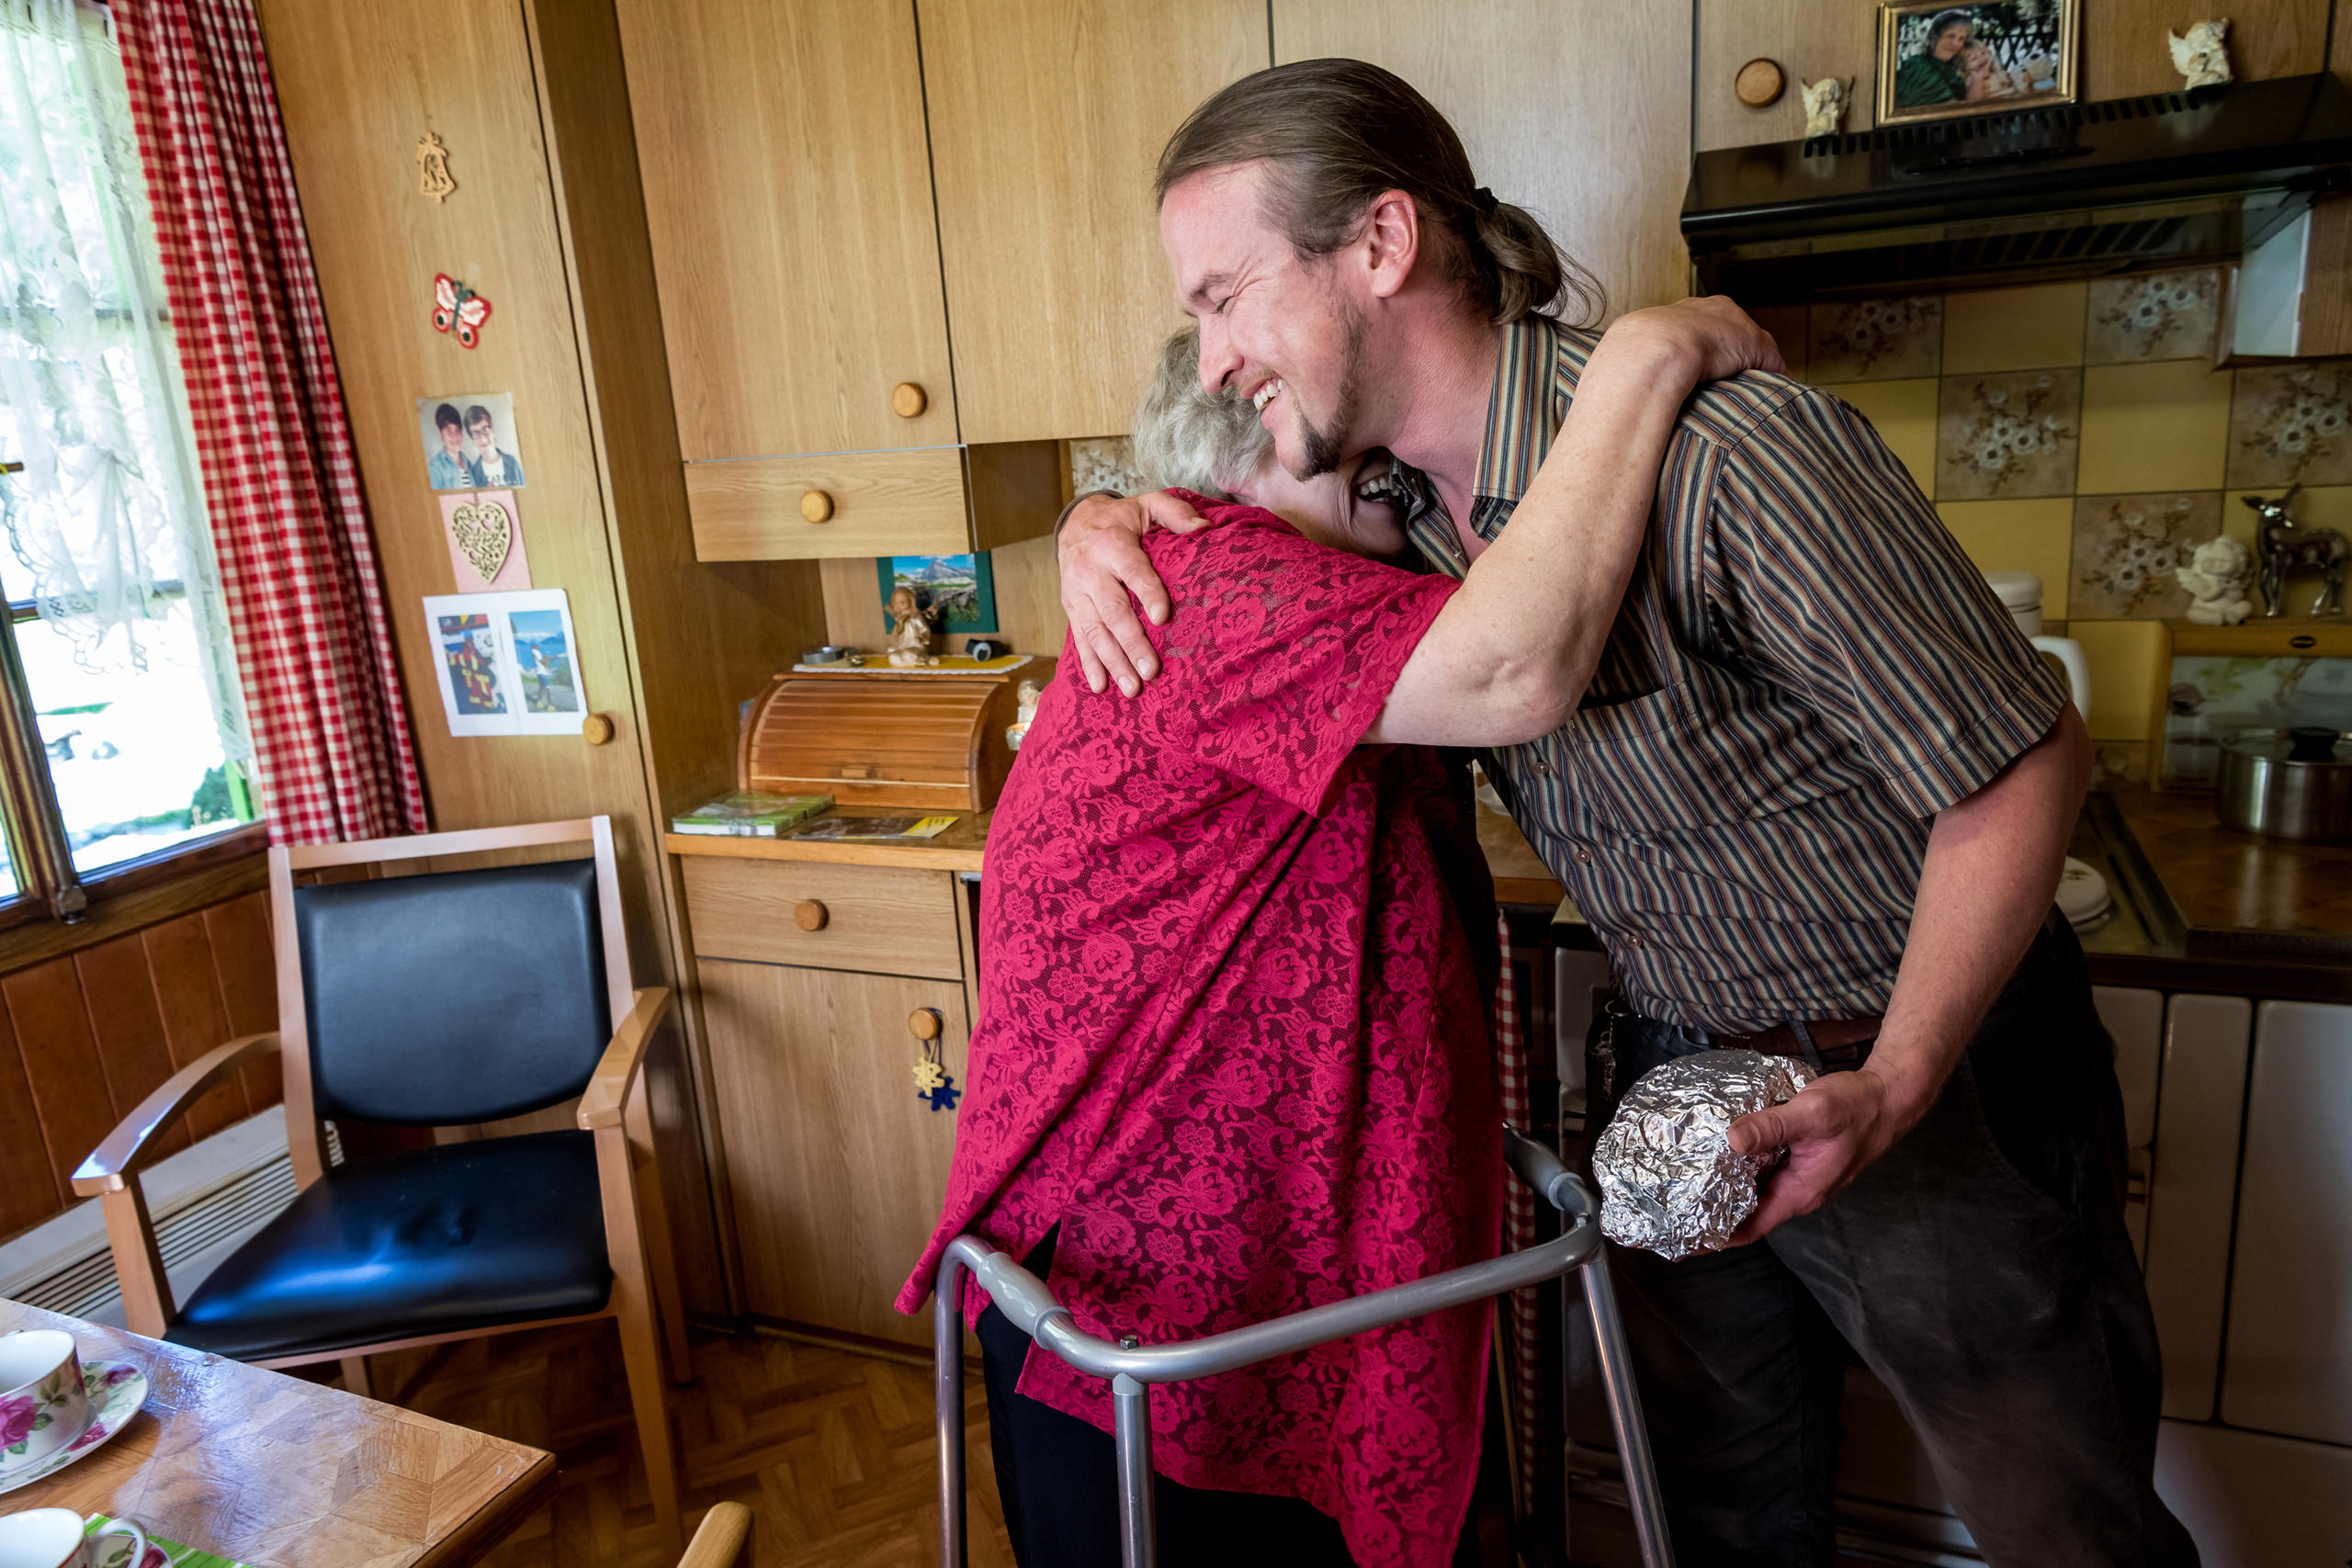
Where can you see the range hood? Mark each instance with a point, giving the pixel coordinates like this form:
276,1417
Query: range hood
2069,190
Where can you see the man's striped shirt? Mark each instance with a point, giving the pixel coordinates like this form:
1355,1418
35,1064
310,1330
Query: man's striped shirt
1806,669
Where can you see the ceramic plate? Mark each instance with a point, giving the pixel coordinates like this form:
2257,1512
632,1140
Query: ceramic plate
117,1390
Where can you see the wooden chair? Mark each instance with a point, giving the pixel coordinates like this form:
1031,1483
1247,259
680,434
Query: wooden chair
718,1543
447,1000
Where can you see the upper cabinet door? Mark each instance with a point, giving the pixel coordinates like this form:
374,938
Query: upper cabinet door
788,191
1580,114
1047,119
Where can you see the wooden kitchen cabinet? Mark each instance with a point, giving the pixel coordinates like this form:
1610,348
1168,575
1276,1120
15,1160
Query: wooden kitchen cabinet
2122,42
836,1168
1581,116
788,191
1048,118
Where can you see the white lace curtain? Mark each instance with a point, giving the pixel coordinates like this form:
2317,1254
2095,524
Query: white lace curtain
108,513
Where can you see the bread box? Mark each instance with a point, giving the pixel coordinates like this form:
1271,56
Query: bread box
886,737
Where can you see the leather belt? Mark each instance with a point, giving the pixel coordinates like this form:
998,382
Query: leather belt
1828,1046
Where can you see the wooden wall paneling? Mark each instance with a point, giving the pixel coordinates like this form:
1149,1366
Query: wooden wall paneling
2125,54
29,1189
241,956
789,191
1047,119
60,1062
187,996
702,636
1809,39
118,990
1585,122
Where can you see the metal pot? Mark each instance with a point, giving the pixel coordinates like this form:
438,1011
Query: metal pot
2290,783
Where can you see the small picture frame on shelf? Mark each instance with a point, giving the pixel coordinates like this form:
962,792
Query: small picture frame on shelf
957,591
1940,61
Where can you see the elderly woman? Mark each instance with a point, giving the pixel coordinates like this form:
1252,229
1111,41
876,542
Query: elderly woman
1231,1060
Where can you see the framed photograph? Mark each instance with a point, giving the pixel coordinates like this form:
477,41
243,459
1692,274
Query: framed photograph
470,441
960,591
1939,61
507,663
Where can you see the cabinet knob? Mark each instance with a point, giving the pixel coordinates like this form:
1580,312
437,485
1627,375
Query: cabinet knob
816,505
925,1023
595,729
906,399
1759,84
809,915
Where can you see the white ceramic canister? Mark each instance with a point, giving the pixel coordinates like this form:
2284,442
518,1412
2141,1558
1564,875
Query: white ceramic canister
2020,595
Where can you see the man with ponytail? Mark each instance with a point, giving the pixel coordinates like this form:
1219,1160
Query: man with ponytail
1815,802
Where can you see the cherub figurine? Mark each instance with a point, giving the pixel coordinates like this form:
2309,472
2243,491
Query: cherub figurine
1025,697
2216,579
911,644
1825,104
2203,58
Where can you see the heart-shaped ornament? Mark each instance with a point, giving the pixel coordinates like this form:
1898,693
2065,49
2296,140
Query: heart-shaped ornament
484,534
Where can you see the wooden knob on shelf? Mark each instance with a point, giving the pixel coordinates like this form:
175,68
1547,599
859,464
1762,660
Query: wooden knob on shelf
1759,84
595,729
816,505
925,1023
906,399
809,915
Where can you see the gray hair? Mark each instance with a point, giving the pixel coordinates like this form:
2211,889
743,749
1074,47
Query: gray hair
1187,437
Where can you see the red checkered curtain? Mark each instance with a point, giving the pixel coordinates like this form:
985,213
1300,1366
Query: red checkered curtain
298,567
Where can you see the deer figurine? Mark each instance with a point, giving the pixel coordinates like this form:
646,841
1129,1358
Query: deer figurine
2287,546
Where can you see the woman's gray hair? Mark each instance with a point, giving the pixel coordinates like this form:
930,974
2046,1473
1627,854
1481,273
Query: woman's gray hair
1187,437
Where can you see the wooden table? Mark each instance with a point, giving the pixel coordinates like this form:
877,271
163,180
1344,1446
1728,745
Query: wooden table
272,1470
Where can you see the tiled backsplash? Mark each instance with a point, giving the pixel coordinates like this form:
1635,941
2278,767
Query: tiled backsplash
2078,431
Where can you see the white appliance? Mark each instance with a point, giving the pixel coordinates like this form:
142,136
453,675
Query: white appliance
2020,595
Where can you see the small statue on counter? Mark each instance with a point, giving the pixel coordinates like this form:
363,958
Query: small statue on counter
1825,104
2216,579
1025,697
2287,546
911,644
2202,57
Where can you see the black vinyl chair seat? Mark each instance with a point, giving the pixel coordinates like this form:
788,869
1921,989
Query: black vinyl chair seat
427,1241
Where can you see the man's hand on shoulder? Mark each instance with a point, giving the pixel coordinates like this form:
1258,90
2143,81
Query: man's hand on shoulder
1834,1128
1102,562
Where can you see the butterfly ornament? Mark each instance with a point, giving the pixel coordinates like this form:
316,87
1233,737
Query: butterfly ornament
457,310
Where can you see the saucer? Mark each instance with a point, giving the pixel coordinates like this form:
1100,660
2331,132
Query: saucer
116,1390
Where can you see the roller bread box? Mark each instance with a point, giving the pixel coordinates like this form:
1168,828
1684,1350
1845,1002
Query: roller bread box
886,737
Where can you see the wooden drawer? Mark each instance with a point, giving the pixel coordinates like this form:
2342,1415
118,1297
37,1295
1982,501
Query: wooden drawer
877,919
904,502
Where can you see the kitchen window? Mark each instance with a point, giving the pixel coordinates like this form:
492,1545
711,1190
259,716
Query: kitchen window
122,736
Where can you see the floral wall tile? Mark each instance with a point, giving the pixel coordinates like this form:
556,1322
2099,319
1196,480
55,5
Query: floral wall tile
2163,315
1876,340
2293,425
2005,435
2126,547
1104,462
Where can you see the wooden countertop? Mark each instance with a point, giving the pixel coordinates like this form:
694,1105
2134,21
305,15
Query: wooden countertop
2241,893
272,1470
1519,876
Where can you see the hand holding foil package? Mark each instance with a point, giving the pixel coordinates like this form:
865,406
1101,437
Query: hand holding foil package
1670,1178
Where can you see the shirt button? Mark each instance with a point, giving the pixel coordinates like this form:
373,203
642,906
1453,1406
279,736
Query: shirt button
1583,856
1633,939
1542,767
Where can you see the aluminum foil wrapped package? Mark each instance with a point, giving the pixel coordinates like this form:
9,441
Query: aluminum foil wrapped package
1670,1178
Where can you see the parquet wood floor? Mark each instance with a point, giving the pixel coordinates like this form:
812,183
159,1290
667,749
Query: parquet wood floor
831,1450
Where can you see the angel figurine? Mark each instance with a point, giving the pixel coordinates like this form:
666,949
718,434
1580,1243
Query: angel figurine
911,644
2216,577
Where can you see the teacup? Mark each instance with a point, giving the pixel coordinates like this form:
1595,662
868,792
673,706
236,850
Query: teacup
42,1403
53,1538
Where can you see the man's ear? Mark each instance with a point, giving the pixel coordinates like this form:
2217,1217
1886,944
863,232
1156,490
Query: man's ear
1391,242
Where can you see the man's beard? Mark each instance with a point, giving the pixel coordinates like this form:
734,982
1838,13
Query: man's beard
1329,447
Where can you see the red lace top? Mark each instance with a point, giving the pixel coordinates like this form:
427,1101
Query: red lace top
1231,1036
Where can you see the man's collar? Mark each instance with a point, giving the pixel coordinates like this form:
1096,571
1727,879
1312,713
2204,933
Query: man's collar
1520,415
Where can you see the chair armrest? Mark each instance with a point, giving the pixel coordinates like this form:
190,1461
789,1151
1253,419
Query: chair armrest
607,1091
718,1543
124,1153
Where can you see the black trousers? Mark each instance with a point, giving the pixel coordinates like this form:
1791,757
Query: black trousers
1981,1269
1057,1477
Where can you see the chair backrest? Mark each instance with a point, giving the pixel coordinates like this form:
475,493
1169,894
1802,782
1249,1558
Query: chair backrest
447,997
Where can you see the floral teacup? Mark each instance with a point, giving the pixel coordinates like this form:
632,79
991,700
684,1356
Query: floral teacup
42,1403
